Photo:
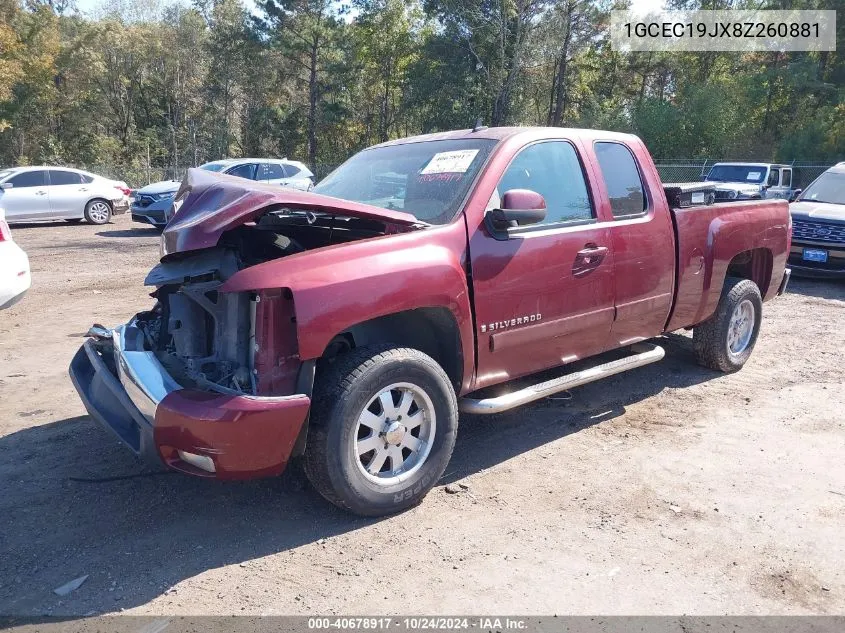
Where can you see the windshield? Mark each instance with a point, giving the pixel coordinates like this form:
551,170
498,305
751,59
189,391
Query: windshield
214,166
5,172
427,179
829,187
737,173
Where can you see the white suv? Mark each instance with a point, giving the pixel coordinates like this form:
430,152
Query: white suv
277,171
151,204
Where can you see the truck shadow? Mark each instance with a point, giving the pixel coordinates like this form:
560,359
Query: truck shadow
46,224
484,441
133,232
75,503
822,288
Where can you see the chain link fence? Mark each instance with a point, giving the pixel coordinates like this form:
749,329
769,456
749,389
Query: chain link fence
681,170
675,170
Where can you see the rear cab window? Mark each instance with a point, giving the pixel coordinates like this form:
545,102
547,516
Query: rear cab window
622,179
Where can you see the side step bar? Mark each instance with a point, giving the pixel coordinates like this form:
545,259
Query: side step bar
644,354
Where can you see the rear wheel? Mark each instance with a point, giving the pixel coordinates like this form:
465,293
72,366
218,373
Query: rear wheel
725,341
383,427
98,212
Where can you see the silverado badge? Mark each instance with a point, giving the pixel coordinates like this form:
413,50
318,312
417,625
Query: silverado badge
501,325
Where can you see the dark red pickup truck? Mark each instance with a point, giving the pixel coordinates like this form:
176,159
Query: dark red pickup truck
352,323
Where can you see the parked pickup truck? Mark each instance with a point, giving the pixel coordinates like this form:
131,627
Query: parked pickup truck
350,324
751,181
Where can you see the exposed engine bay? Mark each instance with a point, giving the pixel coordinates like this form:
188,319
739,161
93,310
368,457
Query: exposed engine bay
206,338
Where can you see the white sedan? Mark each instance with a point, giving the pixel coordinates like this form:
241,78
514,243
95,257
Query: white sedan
32,194
14,268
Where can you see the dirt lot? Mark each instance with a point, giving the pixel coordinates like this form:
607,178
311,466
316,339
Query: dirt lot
671,489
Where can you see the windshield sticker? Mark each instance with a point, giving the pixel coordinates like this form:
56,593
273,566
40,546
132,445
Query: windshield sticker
456,162
754,175
445,177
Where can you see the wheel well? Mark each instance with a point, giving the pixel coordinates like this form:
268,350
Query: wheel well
108,202
433,331
754,264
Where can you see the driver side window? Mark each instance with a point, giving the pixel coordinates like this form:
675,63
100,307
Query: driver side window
552,169
243,171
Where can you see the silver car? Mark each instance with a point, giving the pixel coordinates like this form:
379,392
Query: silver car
151,204
31,194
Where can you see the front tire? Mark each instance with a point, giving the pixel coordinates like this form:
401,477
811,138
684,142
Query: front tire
725,341
97,212
383,426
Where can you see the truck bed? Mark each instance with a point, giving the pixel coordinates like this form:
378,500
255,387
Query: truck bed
708,239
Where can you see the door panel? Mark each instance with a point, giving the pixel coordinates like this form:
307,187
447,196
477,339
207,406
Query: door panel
27,199
68,194
643,241
543,296
533,309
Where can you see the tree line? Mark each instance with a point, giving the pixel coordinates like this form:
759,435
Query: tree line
146,83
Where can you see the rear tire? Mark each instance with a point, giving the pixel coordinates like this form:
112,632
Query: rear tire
98,212
383,426
725,341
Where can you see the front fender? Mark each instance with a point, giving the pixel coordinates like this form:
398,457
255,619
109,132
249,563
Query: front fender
337,287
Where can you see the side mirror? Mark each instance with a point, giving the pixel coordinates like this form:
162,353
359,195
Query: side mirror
519,207
6,185
795,195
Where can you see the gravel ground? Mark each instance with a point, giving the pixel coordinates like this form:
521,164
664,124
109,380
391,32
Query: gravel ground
667,490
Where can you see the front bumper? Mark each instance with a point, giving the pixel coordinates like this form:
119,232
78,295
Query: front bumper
833,268
126,389
154,213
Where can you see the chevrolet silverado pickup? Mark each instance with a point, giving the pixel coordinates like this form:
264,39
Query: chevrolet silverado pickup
425,276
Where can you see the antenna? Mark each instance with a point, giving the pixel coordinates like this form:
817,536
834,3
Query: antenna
479,125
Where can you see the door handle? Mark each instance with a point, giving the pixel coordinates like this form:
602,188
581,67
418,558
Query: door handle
588,258
83,188
40,193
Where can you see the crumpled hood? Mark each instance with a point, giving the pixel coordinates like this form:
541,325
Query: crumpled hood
165,186
209,204
818,210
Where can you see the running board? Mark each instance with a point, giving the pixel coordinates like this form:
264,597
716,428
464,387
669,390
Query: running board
645,353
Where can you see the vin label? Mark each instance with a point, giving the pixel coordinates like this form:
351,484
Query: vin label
729,30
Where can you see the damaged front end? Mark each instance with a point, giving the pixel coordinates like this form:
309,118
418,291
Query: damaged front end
209,382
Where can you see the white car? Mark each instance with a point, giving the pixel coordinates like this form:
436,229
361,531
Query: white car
32,194
14,268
